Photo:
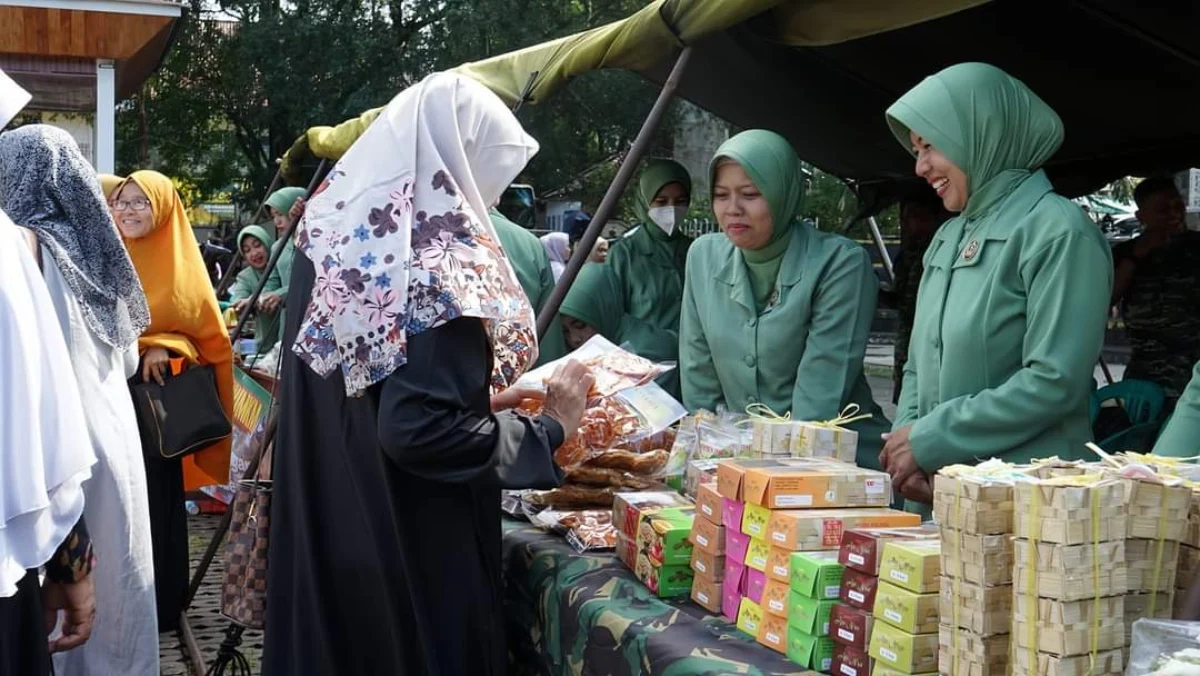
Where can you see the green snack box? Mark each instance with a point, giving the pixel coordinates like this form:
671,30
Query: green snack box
901,608
808,651
663,536
664,581
816,575
809,615
902,651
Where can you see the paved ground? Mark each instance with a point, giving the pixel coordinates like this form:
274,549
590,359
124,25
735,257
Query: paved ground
205,614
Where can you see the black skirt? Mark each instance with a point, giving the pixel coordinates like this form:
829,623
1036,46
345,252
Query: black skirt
169,535
23,640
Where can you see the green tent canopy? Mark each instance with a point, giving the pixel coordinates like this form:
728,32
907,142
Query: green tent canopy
821,72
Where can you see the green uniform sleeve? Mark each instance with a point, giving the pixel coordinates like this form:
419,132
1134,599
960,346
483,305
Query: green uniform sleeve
906,408
1181,437
1069,282
698,376
832,362
242,287
275,282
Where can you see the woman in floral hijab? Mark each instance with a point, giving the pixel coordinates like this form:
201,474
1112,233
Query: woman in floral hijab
387,438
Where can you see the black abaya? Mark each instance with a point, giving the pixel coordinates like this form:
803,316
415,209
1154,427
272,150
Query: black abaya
168,537
385,533
23,640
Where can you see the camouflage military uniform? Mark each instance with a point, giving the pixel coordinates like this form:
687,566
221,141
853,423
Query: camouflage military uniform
1162,313
908,268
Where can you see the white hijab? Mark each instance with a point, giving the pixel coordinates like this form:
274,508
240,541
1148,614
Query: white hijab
45,452
401,241
558,248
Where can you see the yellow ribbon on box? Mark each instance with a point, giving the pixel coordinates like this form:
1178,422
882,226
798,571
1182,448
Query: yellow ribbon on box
759,412
762,413
846,417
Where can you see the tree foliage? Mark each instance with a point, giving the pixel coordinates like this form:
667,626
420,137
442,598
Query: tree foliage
246,77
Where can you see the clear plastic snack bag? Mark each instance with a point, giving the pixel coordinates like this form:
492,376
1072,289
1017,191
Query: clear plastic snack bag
1164,648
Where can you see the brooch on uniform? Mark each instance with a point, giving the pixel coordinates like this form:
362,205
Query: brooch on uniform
972,249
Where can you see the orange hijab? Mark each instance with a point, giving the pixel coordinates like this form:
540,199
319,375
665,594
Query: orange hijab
110,183
184,316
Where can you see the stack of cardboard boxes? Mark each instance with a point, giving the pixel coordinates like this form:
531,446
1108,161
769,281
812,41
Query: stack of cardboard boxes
1189,553
974,510
906,607
1069,575
772,509
652,539
708,549
853,620
1157,520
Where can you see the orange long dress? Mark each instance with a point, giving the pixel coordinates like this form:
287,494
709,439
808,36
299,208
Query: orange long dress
184,316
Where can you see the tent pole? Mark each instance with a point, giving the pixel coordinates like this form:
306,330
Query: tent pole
227,278
877,235
609,204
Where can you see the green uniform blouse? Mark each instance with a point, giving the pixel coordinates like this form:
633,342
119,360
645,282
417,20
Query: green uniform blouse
804,355
1181,436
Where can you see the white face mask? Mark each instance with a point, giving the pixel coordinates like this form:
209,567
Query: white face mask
668,218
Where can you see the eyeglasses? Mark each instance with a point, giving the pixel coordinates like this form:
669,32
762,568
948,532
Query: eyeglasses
132,205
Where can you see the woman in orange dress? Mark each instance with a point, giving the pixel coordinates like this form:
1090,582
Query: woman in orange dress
185,328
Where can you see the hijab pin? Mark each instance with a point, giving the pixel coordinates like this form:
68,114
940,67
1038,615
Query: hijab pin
971,250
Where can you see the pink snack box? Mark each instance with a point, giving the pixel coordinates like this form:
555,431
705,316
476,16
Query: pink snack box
731,514
736,544
756,580
731,602
735,576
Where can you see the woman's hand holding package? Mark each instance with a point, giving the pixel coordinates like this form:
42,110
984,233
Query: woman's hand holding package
566,395
513,396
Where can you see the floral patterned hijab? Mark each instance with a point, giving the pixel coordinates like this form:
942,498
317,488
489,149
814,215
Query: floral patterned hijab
401,241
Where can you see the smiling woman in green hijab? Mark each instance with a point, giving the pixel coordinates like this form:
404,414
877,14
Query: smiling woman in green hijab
254,241
1013,302
648,264
774,312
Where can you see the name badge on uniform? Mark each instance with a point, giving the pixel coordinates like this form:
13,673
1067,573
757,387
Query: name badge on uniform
972,249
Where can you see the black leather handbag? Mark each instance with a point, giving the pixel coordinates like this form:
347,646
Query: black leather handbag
180,417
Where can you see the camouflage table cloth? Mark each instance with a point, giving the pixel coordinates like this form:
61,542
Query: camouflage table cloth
586,614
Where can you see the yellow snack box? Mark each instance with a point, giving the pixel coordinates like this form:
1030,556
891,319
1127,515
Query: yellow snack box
754,521
901,608
757,554
750,616
905,652
914,565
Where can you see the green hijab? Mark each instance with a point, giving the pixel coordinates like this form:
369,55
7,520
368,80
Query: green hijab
985,121
657,175
282,200
769,160
260,232
595,299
